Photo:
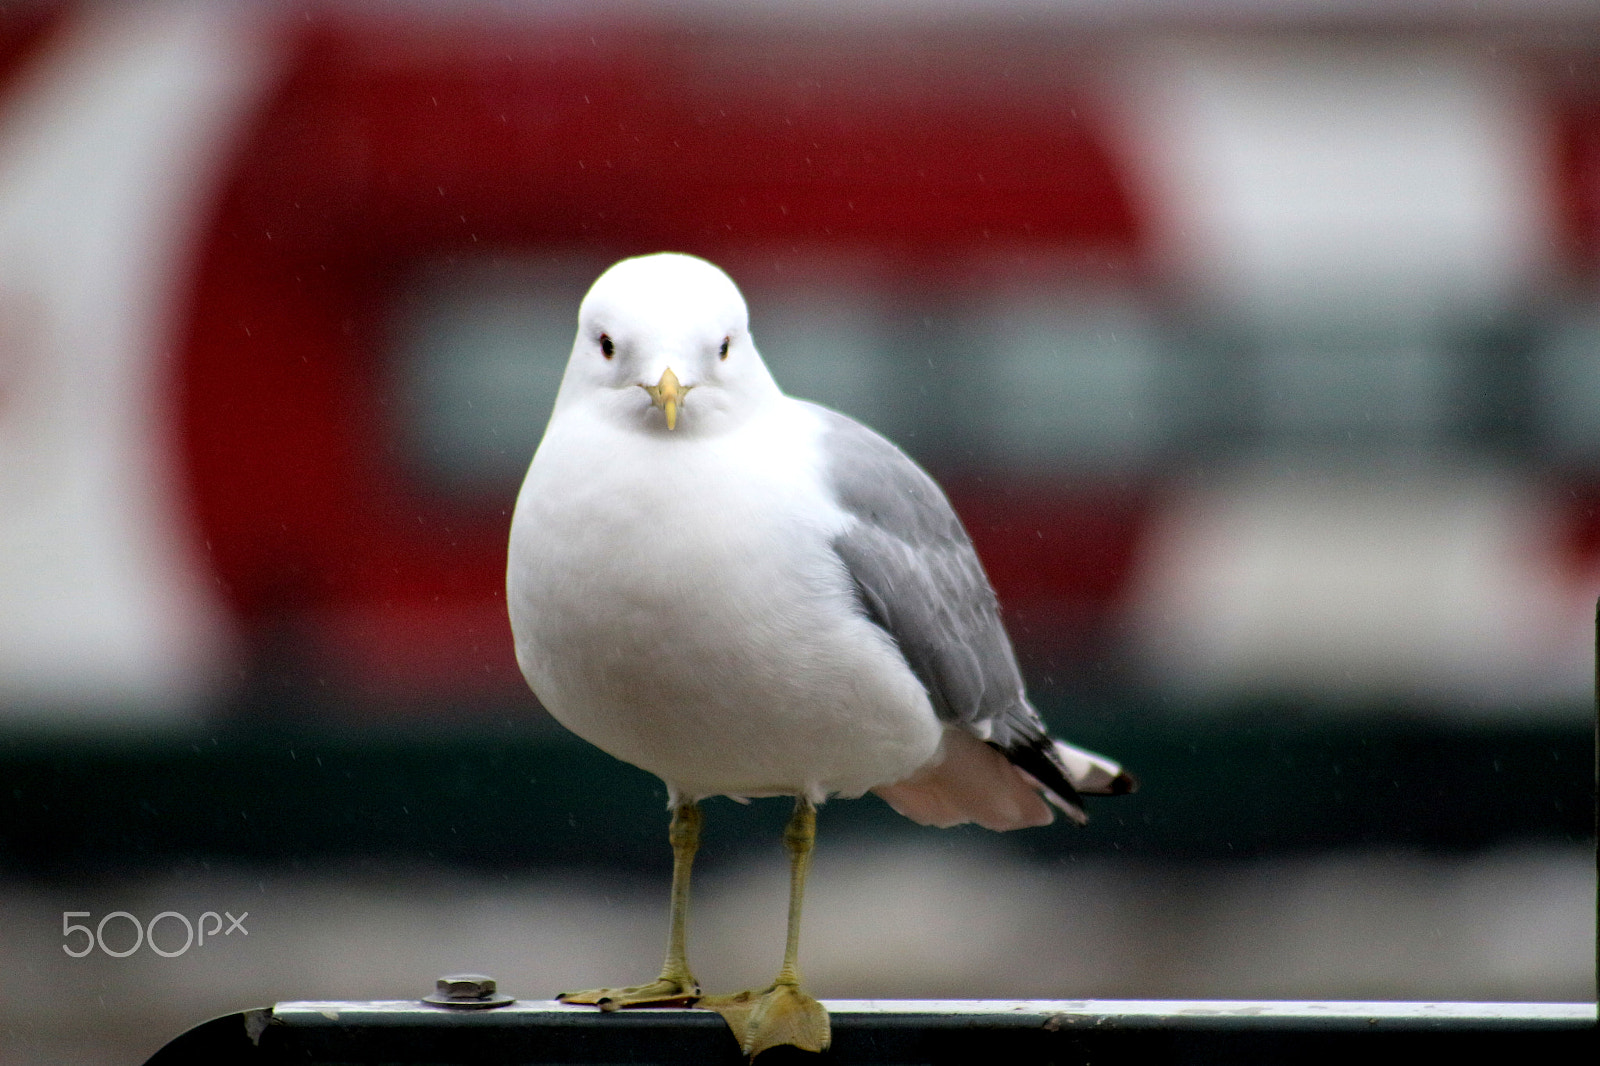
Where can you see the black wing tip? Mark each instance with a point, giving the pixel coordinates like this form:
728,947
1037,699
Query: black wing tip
1074,811
1123,784
1038,758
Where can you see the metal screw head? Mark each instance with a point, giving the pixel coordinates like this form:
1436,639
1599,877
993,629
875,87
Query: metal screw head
466,991
465,986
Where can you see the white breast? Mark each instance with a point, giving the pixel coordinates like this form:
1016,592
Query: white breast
676,602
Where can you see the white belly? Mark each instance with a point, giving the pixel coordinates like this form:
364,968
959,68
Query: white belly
680,607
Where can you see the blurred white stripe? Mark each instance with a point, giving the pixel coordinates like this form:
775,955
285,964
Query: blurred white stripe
1366,584
109,154
1290,174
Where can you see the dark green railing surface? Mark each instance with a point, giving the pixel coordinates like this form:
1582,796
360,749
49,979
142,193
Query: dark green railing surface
1149,1033
503,795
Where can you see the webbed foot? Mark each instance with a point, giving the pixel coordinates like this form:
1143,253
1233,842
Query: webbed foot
662,992
782,1014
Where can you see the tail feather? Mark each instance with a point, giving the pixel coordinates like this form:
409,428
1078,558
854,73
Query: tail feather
970,782
1005,786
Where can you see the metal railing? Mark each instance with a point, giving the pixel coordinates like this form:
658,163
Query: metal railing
1143,1032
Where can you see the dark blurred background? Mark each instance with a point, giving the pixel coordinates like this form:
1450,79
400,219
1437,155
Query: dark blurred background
1257,344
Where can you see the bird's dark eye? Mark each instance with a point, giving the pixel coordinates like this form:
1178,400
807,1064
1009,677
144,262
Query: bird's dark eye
724,352
607,348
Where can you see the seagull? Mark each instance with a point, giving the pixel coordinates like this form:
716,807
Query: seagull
748,595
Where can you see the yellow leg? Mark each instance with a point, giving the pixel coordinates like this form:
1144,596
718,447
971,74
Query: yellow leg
782,1014
676,987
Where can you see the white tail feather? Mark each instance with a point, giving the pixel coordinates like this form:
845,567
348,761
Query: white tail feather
969,782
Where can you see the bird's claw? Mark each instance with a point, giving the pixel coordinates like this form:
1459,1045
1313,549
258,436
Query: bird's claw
781,1015
662,992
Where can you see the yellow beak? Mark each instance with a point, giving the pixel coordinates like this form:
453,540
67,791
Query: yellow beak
668,395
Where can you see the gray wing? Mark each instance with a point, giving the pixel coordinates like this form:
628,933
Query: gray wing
920,580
